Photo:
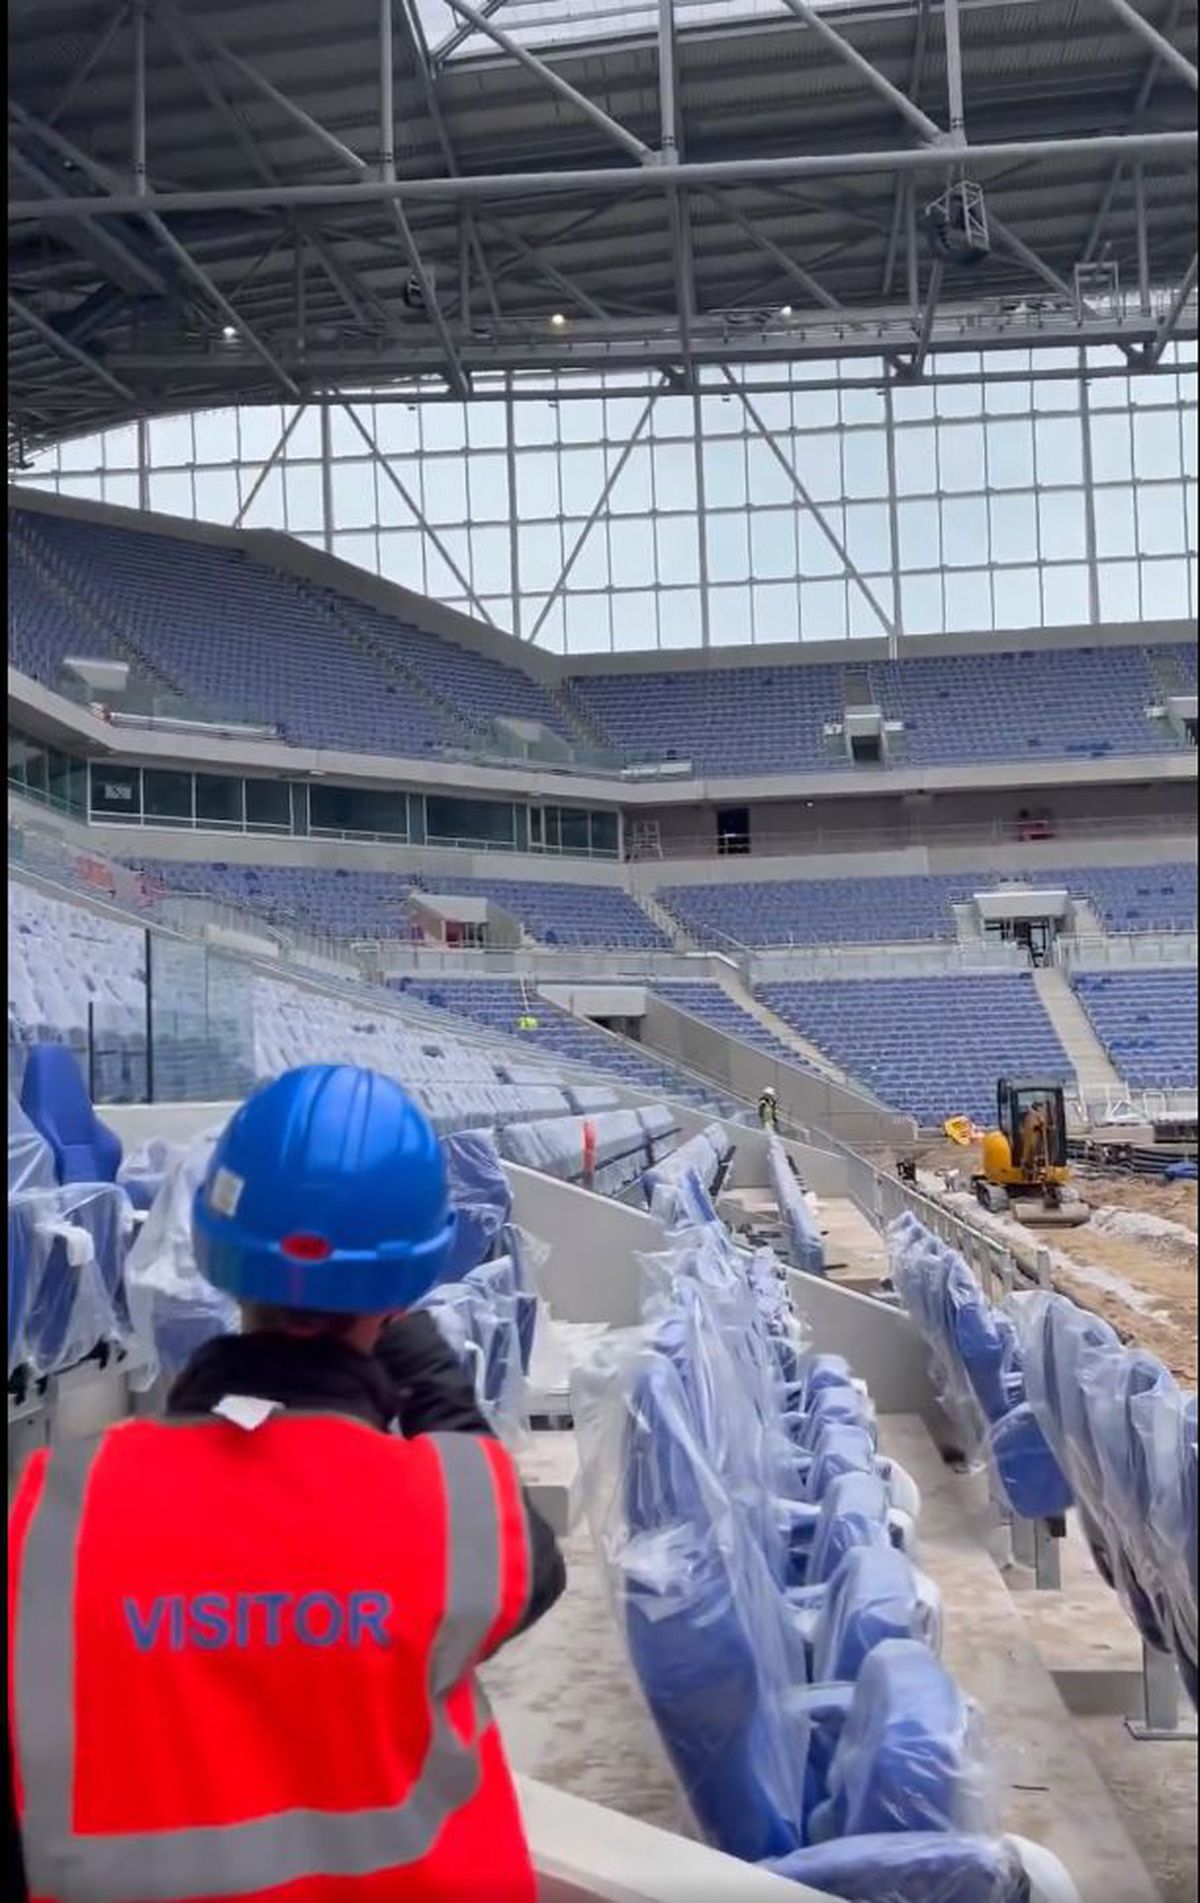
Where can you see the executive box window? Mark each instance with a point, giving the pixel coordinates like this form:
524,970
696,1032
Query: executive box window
116,792
482,822
268,806
220,801
573,830
44,773
356,809
167,797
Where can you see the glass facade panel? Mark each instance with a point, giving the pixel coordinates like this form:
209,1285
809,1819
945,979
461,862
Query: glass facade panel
789,494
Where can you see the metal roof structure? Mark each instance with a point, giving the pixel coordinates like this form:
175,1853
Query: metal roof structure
223,203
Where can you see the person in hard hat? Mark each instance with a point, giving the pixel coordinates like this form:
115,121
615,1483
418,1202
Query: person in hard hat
768,1112
244,1639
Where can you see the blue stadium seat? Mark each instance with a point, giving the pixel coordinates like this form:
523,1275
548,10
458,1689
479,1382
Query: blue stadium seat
54,1097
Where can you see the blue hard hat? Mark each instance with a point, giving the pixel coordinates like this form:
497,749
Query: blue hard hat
326,1190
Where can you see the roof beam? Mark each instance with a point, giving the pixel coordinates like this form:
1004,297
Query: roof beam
545,269
933,292
842,47
88,63
618,181
120,257
460,35
67,349
1166,329
263,85
621,134
1139,106
455,375
141,204
355,301
916,74
683,258
1157,42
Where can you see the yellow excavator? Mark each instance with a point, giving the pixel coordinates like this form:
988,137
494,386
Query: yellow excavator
1024,1159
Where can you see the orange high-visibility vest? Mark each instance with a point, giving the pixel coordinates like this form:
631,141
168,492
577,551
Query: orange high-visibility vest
242,1665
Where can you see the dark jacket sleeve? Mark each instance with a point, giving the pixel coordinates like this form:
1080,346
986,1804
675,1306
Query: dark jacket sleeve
437,1397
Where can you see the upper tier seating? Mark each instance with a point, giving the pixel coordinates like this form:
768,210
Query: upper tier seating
890,911
1146,1021
1042,705
933,1047
189,608
343,904
43,627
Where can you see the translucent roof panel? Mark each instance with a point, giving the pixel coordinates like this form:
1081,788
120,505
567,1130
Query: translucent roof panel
558,22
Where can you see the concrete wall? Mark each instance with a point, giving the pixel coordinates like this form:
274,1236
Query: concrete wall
591,1273
585,1853
880,1343
813,1102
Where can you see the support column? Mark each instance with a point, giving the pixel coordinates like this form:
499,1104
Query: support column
514,537
1089,495
143,463
701,518
326,479
889,425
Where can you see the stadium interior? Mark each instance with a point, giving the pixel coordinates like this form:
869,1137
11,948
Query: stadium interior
634,567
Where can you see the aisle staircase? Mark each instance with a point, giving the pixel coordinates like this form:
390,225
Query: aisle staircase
1096,1079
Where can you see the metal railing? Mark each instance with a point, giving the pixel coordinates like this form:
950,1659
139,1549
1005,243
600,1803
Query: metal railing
1162,945
836,840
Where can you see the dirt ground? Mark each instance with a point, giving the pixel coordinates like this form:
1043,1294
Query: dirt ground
1160,1271
1161,1268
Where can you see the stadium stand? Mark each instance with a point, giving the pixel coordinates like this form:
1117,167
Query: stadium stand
317,669
1078,702
884,911
343,904
931,1046
378,684
504,1005
1139,898
1146,1021
817,911
713,1005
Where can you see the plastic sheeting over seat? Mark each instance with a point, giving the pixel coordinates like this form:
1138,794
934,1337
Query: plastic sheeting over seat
175,1311
480,1193
977,1370
1125,1435
806,1249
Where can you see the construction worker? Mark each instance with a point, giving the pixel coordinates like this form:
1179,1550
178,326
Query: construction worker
244,1638
768,1113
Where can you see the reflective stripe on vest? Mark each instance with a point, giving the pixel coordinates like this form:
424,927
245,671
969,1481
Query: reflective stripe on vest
232,1860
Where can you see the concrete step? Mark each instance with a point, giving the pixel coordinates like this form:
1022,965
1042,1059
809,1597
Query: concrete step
1094,1073
658,915
785,1032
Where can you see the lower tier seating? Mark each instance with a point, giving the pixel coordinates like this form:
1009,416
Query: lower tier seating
785,1643
933,1047
1124,1435
1146,1021
975,1366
